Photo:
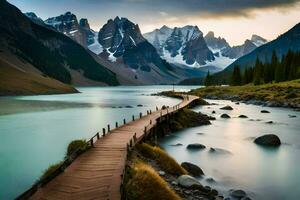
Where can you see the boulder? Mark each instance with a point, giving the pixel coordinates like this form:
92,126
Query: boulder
243,116
162,173
196,146
213,112
238,194
226,108
188,181
292,116
237,103
225,116
175,145
268,140
192,169
219,151
128,107
139,105
269,122
264,111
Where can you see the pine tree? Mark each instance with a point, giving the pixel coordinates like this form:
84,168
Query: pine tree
257,73
236,78
207,81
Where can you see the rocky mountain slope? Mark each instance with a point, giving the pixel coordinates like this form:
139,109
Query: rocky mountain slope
184,45
289,40
46,52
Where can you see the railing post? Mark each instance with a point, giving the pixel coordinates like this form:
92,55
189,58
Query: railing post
156,108
103,132
130,143
147,112
141,115
98,136
108,128
150,121
116,124
124,121
132,117
92,142
150,112
134,137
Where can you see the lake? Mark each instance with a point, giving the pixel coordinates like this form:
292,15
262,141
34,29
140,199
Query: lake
264,173
35,130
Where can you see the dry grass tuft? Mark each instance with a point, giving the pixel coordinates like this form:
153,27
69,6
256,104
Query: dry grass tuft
166,162
146,184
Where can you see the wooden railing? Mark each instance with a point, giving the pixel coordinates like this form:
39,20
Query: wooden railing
69,159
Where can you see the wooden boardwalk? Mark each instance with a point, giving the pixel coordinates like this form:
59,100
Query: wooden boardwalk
97,173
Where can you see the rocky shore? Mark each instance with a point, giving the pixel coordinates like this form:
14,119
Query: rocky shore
237,98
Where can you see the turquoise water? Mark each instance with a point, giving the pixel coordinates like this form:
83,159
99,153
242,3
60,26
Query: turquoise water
264,173
35,130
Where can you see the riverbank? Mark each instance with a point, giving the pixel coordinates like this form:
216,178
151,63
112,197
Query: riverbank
153,174
285,94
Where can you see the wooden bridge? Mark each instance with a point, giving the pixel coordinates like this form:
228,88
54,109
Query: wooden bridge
97,173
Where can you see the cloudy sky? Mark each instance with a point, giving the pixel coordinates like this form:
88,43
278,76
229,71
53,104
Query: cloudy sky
235,20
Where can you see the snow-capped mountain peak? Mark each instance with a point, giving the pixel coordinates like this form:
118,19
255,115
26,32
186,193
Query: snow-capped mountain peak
257,40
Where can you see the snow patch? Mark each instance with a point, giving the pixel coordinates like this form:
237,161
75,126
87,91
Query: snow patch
220,61
111,56
96,47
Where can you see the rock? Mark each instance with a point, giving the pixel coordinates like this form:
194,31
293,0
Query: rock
175,145
128,107
237,103
213,112
139,105
174,183
226,108
210,180
188,181
196,146
246,198
269,122
238,194
207,189
225,116
264,111
192,169
214,192
243,116
219,151
200,133
292,116
268,140
162,173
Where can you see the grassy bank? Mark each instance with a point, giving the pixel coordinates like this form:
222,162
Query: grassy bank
276,94
16,82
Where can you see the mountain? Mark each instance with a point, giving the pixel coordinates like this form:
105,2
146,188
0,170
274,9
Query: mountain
120,41
238,51
68,24
181,45
258,41
289,40
36,49
34,18
215,42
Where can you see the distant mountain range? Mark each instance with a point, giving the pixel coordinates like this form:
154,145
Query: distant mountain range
289,40
66,50
186,46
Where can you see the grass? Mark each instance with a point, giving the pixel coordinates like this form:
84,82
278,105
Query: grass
51,170
284,92
166,162
187,118
16,82
80,145
146,184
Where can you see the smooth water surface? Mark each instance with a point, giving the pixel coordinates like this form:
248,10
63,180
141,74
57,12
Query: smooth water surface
35,130
264,173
